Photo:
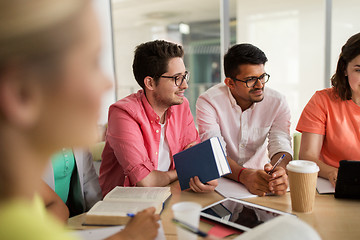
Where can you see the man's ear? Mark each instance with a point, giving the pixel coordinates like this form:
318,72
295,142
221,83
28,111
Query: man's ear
229,82
149,83
20,97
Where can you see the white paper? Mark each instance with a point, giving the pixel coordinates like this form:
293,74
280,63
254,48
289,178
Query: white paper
102,233
230,188
324,186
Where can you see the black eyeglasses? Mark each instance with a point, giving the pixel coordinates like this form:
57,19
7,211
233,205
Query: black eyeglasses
251,82
179,79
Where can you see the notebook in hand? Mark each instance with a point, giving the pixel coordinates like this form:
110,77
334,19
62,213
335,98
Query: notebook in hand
206,160
348,180
121,201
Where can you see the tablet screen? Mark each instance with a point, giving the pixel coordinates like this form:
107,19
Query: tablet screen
240,214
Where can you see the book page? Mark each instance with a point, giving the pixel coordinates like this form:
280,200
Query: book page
220,158
283,227
324,186
139,194
112,208
230,188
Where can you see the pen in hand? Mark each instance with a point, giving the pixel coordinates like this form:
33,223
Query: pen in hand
276,164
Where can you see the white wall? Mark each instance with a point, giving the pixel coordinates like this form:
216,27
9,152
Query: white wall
102,8
345,24
140,21
126,41
291,33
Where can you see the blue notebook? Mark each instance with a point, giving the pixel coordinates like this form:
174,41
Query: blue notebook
206,160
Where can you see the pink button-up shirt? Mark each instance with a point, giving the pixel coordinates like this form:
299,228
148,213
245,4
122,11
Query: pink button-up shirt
133,137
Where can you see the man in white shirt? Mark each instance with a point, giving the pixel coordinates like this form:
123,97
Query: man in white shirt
244,114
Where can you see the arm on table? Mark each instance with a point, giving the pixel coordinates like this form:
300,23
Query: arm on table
256,181
279,180
279,144
53,203
311,144
158,179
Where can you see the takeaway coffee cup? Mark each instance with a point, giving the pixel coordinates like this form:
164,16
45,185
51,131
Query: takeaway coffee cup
302,178
188,212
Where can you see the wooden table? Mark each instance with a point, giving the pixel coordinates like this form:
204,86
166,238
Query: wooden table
332,218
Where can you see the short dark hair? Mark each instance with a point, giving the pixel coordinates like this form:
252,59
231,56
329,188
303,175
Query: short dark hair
152,58
239,54
339,81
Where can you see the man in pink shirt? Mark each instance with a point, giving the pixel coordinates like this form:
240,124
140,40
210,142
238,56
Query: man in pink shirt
251,121
147,128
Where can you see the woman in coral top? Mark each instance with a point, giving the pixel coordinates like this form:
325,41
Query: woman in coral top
330,122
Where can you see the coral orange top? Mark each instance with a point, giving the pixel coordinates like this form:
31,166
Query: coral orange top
338,120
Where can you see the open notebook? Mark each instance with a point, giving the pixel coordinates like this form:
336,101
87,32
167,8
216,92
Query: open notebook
323,186
230,188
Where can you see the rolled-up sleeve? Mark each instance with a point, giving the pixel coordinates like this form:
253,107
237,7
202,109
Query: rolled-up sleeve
125,138
313,117
279,134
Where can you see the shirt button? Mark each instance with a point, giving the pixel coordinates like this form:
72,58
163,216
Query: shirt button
157,131
156,153
242,146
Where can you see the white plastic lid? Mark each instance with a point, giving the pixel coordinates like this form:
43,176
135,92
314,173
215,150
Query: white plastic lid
186,207
302,166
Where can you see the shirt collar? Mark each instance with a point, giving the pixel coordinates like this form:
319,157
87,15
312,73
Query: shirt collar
234,103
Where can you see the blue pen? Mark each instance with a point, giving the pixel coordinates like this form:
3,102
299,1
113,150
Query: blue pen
189,228
130,215
276,164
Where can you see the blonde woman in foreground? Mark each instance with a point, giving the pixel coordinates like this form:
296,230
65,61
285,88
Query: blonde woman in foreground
50,90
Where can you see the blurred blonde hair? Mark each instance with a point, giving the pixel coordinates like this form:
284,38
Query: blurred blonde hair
37,30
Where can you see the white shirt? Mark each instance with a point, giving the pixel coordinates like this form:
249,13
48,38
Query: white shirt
164,151
244,134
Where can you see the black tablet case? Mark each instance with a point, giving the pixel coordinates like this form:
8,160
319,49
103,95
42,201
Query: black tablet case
348,180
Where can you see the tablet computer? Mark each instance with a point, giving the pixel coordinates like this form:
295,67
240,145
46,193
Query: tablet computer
348,180
240,214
